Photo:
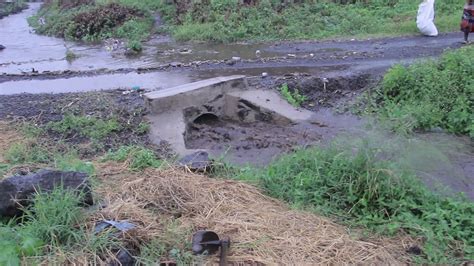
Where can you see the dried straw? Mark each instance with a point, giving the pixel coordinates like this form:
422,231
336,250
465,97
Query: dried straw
263,230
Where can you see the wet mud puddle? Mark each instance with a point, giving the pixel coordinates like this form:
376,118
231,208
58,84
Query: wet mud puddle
260,142
256,142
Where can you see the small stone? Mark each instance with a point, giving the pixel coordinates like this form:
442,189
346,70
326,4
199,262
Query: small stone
197,162
312,55
176,64
264,74
291,55
415,250
236,58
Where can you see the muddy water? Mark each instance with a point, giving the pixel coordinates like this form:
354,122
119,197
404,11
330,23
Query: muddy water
147,81
27,50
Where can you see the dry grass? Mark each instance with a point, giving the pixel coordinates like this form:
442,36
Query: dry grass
263,230
8,136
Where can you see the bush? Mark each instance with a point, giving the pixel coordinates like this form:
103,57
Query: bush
431,94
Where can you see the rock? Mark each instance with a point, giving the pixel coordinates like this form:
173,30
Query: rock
18,190
122,258
2,47
197,162
236,58
176,64
264,74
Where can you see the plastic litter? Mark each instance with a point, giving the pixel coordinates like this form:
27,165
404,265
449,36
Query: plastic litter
425,18
122,226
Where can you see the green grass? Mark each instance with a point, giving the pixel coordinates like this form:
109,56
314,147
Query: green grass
28,151
429,94
226,21
292,97
53,225
137,158
173,244
85,126
95,22
362,184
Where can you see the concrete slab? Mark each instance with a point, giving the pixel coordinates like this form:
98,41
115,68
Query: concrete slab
270,101
193,94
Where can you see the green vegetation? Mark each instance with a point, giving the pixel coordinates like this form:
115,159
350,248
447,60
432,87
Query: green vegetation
229,21
53,226
351,182
84,126
294,98
94,21
7,8
71,56
173,243
430,94
28,151
137,158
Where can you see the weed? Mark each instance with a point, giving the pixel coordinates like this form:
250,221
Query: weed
171,244
143,128
430,94
71,56
355,184
71,162
30,130
28,151
84,126
54,223
137,158
294,98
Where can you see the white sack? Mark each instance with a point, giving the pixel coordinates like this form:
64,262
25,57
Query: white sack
425,18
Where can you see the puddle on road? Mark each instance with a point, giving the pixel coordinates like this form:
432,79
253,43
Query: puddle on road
152,81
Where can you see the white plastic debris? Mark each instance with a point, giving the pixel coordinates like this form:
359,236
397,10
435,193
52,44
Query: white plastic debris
425,18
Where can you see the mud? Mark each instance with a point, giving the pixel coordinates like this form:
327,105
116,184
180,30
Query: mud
260,142
245,141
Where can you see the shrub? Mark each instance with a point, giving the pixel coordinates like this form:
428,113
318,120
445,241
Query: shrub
431,94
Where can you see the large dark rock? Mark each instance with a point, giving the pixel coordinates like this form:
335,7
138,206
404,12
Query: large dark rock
197,162
2,47
17,191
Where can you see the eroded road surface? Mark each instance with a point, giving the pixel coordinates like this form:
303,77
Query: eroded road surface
164,63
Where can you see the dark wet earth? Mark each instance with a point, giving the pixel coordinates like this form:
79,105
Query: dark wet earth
37,65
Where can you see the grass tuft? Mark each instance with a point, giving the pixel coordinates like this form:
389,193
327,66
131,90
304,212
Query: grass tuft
136,157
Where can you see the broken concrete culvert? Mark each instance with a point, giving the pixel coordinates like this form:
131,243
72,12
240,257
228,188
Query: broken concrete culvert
17,191
225,115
